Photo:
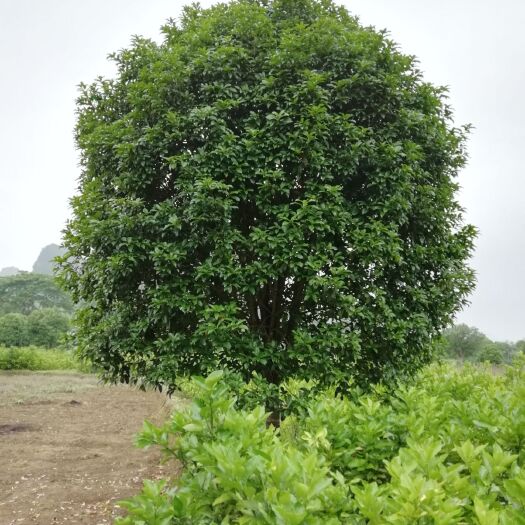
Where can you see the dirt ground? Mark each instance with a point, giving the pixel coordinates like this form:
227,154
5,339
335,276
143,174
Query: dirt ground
66,447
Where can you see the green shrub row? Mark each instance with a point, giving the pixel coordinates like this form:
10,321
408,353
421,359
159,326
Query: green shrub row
449,449
32,358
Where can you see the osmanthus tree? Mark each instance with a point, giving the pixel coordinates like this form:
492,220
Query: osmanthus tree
271,189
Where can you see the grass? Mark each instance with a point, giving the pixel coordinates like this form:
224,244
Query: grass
33,358
18,387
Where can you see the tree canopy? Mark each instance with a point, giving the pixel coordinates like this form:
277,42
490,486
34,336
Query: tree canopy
464,342
9,271
270,189
14,330
45,327
26,292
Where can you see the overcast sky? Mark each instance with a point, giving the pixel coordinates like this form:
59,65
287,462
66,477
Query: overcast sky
476,47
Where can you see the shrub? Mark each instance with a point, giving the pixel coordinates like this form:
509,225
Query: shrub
32,358
447,450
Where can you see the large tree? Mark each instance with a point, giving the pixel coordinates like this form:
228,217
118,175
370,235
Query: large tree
272,189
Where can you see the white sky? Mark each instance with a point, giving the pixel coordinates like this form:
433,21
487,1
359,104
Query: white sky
476,47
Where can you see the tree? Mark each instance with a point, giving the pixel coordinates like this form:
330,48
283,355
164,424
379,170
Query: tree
44,327
508,350
14,330
47,327
492,352
464,342
269,189
27,292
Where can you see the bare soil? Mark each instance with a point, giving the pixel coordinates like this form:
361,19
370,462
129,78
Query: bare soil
66,447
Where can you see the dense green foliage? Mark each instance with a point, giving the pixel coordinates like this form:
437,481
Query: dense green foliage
271,188
463,342
43,327
26,292
449,449
33,311
14,330
32,358
47,327
468,343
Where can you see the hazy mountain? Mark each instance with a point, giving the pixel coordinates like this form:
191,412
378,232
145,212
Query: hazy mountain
45,264
8,271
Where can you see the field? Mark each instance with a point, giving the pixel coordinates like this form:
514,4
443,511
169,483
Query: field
66,447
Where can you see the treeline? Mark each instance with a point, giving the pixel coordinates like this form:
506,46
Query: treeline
467,343
45,327
33,311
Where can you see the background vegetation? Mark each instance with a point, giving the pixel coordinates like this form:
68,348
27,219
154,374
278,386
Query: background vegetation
33,311
26,292
33,358
46,327
467,343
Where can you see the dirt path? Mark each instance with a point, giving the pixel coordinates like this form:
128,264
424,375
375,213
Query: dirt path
66,448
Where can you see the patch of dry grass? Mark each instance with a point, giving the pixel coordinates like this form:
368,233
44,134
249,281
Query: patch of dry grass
21,387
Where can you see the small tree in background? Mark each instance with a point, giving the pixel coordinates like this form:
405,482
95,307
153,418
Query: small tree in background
47,327
14,330
270,189
492,352
464,342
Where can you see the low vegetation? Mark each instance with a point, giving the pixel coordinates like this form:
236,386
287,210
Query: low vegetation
446,449
32,358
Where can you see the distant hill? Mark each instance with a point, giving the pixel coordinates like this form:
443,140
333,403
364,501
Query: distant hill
44,264
8,271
